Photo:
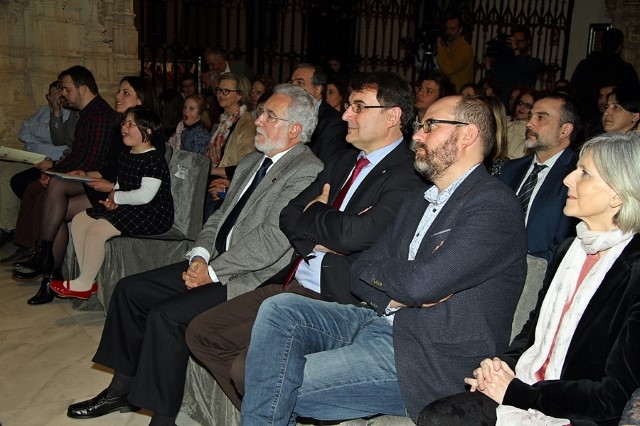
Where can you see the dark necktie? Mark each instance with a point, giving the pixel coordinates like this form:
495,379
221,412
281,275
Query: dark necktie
230,221
527,187
360,164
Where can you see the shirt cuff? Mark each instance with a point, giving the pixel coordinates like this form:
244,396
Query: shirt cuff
213,275
198,251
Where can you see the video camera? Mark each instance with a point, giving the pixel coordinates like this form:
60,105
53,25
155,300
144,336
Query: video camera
499,47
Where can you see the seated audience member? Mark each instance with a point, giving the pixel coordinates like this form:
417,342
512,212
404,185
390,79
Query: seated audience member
140,202
537,178
211,80
498,155
36,136
513,97
192,132
217,60
329,136
516,128
239,247
261,84
563,85
337,94
593,126
576,361
492,87
429,295
170,104
622,110
233,138
359,194
429,88
472,89
188,85
92,136
64,199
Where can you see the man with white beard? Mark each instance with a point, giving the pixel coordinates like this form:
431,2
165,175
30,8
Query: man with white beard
239,247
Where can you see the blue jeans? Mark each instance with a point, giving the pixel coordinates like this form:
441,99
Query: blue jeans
320,360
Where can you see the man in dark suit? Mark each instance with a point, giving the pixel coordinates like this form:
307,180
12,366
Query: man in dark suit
329,136
440,286
328,233
553,126
239,247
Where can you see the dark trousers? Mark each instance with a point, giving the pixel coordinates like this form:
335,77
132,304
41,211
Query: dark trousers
21,180
29,215
143,335
219,338
463,409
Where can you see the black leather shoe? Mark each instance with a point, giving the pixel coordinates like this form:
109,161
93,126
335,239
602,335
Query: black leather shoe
19,255
45,294
99,406
39,263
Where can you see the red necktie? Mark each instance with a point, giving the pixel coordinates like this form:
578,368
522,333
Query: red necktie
360,164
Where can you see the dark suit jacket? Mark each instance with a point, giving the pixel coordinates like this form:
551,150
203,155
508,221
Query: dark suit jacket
547,226
602,366
475,249
328,138
348,232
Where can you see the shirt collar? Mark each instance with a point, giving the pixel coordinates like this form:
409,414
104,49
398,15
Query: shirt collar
432,195
378,155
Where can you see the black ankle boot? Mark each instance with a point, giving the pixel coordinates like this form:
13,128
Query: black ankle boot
45,294
40,262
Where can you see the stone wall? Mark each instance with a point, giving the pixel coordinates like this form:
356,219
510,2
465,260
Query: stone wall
40,38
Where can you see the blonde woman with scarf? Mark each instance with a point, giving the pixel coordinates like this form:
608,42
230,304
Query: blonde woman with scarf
577,360
233,138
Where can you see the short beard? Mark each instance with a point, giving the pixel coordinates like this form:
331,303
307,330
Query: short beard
269,145
434,163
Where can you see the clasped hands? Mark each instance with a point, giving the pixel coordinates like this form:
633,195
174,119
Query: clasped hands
492,379
110,203
197,274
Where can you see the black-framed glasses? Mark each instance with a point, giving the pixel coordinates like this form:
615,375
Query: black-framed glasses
225,92
270,116
527,105
427,126
358,107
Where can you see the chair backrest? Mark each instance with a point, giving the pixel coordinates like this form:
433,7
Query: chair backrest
189,173
536,269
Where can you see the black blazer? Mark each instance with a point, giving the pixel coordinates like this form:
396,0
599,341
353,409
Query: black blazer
349,232
547,226
329,136
475,249
602,366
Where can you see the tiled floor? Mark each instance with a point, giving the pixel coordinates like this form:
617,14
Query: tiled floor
45,359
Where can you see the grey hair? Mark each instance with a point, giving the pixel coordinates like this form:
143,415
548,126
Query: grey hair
302,109
616,157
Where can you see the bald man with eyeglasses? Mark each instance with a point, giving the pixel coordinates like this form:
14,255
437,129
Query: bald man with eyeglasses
329,224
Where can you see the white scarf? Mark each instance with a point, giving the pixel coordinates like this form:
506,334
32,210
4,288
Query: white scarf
175,140
560,291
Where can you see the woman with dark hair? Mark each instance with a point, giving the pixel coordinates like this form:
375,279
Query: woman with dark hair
170,111
622,110
577,359
337,94
66,198
517,127
140,202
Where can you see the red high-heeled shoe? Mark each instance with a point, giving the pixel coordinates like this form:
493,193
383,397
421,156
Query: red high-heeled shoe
62,288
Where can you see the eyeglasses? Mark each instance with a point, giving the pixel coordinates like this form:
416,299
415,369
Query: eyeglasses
130,123
358,107
271,117
427,126
226,92
524,104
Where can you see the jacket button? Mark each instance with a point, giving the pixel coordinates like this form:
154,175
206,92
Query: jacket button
377,283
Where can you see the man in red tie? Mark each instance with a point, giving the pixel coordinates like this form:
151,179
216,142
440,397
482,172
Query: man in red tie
329,224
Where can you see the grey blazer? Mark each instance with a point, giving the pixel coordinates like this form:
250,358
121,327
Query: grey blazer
475,250
258,249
